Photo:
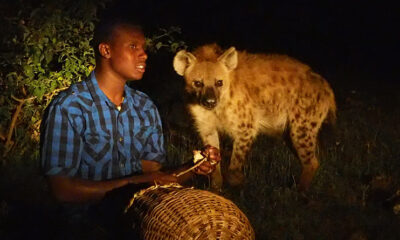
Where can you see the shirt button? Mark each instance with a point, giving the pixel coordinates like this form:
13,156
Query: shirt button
120,139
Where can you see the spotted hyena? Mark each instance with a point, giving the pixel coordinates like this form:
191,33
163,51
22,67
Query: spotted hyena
245,94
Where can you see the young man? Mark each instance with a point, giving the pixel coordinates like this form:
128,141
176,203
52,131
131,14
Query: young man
100,134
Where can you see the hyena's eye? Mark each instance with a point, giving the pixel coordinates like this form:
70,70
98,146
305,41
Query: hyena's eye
198,84
219,83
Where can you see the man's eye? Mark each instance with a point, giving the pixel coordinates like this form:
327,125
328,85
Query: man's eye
133,46
219,83
198,84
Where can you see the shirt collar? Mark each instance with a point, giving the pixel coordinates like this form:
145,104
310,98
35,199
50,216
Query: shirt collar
97,94
99,97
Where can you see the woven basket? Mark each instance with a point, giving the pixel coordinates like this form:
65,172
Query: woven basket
177,213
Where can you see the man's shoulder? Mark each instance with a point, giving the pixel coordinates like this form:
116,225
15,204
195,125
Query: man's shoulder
142,100
76,94
136,93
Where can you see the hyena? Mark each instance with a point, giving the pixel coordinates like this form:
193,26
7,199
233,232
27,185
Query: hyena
245,94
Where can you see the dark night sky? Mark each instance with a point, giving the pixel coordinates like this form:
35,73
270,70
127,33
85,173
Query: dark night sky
335,37
348,40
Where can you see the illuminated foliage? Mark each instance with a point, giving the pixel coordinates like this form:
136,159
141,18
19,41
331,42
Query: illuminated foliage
45,48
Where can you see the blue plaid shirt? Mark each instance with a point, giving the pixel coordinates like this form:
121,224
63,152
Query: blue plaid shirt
85,135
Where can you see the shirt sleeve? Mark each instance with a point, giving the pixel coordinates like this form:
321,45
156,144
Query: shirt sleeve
61,143
154,148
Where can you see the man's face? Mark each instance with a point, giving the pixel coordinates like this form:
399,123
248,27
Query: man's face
127,54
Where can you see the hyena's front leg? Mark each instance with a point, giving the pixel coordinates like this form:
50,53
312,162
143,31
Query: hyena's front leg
241,146
209,136
206,126
216,177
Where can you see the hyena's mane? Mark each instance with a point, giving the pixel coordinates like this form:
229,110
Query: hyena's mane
209,52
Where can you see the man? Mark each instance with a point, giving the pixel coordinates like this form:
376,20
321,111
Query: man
100,134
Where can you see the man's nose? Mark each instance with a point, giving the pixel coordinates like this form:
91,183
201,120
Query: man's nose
143,55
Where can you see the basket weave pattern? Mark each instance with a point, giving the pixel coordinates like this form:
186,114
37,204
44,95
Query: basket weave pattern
178,213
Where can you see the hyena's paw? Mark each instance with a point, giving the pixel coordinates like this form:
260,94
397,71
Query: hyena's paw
307,176
235,177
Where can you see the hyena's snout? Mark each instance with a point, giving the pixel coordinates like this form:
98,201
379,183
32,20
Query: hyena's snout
209,98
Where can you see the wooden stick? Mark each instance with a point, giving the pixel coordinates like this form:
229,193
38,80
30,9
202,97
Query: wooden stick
191,168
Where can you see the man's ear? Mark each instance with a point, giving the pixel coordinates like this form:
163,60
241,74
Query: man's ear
182,61
229,58
104,50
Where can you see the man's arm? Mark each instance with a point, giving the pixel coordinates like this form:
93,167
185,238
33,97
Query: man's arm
67,189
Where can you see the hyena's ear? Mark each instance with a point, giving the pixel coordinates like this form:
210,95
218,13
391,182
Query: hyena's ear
229,58
182,60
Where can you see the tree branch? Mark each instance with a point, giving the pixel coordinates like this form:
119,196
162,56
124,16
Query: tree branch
12,126
15,117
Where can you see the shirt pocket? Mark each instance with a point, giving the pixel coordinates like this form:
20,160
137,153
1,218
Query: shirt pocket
97,147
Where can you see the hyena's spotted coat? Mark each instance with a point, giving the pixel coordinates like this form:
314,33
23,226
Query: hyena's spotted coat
244,94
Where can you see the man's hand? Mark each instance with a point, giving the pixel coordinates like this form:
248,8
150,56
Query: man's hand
213,158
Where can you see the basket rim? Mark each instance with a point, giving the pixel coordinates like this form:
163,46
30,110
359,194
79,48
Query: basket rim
151,188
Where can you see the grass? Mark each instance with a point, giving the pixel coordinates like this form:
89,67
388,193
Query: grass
352,197
354,191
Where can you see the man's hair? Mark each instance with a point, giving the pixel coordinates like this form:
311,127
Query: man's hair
104,30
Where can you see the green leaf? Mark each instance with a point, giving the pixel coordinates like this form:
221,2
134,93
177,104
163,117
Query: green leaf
28,71
38,92
159,45
53,85
48,56
174,46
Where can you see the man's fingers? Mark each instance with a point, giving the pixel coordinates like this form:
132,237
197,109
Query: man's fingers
205,168
212,153
213,158
205,164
